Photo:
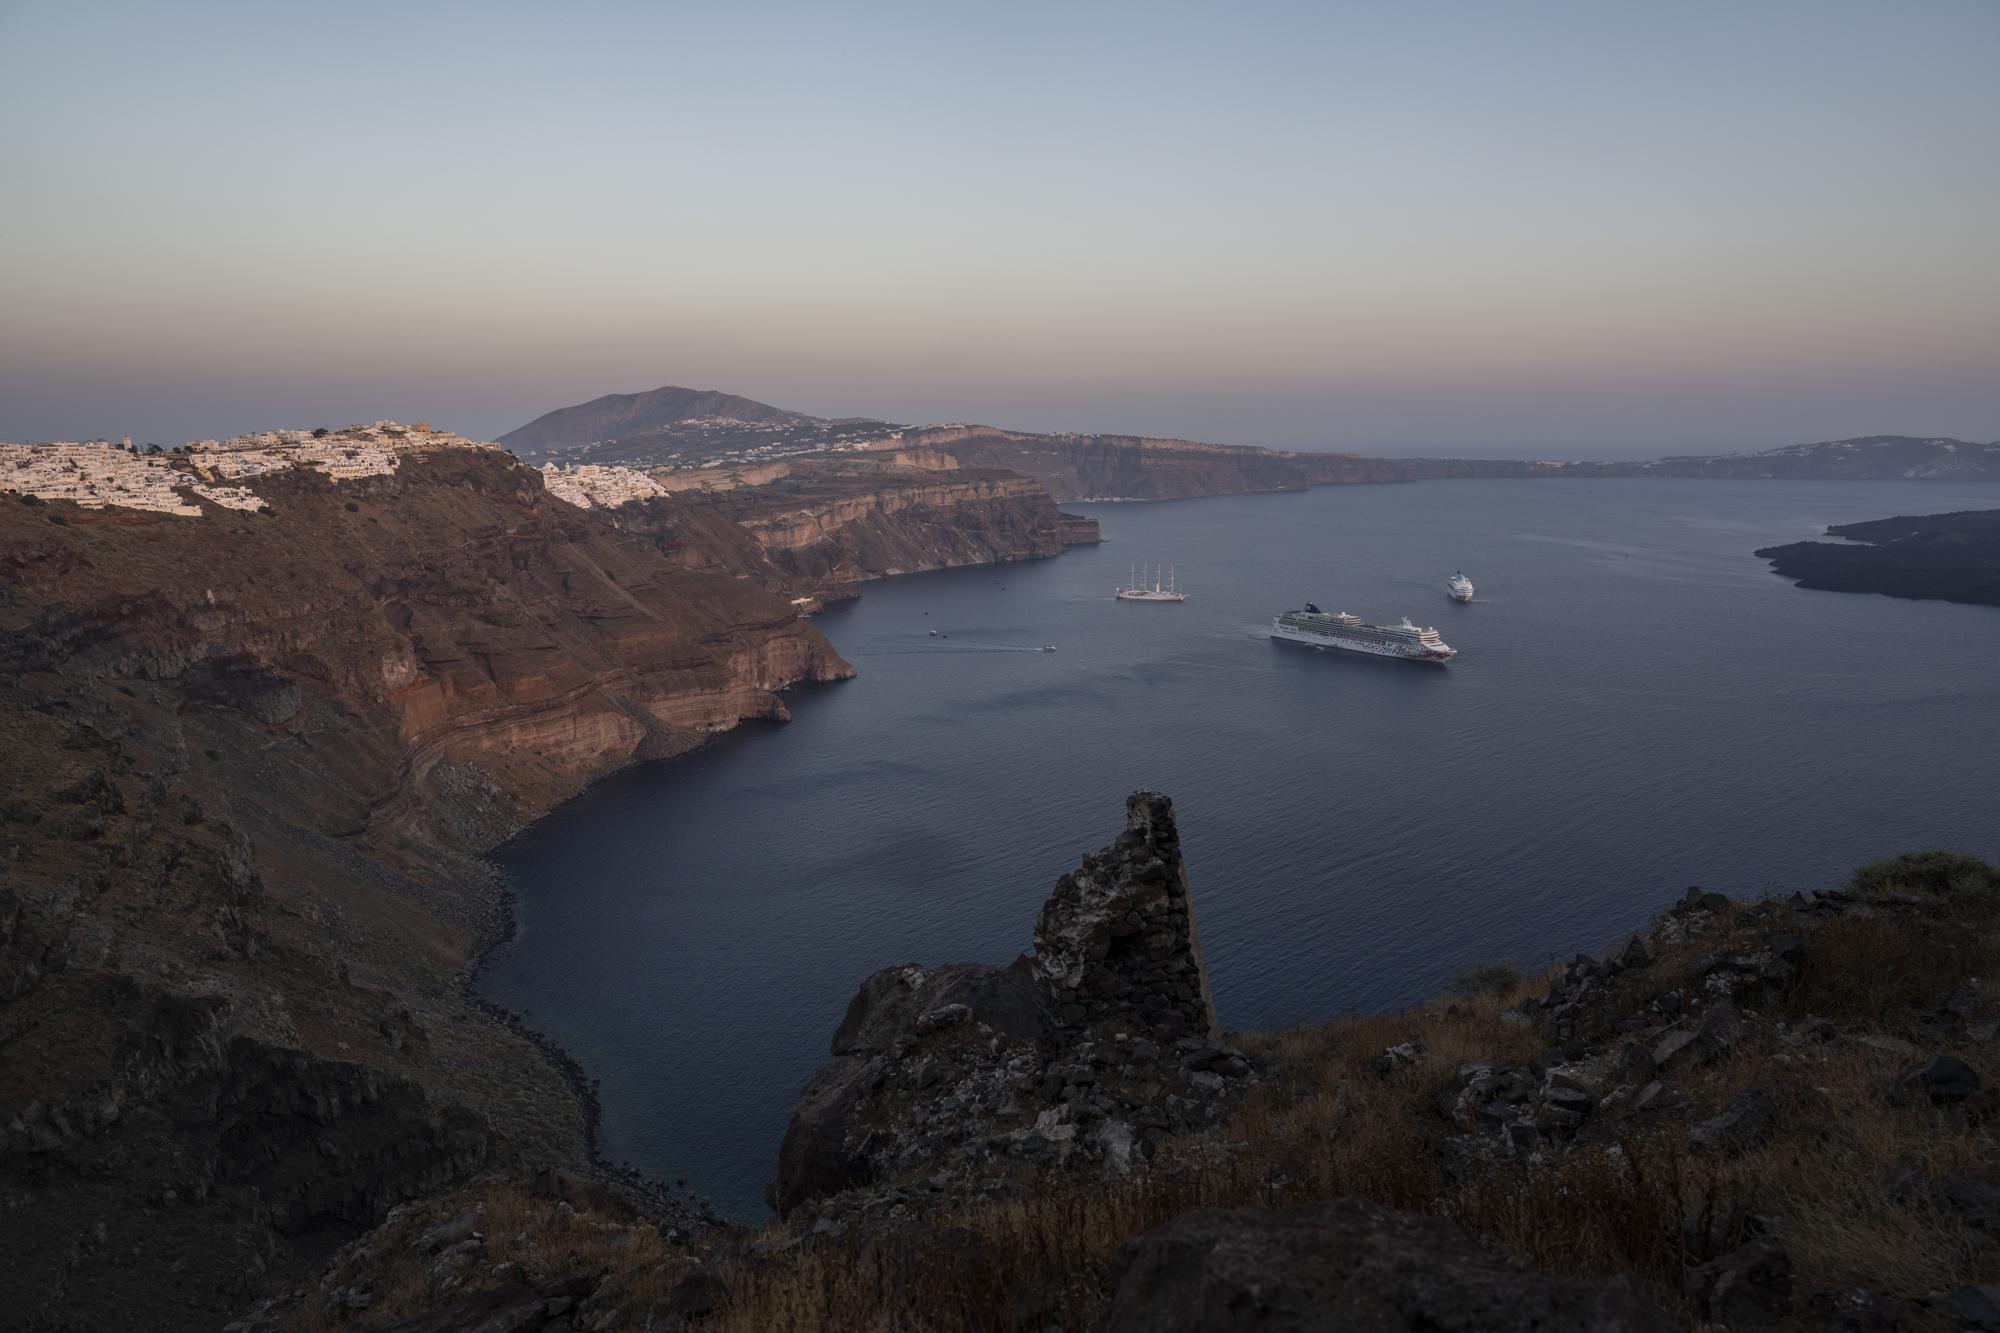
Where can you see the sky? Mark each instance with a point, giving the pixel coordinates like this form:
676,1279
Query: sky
1558,228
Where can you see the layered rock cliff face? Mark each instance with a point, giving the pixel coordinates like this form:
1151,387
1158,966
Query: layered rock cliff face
246,761
1131,467
828,524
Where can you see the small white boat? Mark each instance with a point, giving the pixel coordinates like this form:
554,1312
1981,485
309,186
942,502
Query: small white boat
1136,590
1461,587
1048,647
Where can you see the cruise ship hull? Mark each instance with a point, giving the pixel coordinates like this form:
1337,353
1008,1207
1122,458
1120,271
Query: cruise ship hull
1407,652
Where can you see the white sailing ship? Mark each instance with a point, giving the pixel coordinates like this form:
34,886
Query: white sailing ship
1135,589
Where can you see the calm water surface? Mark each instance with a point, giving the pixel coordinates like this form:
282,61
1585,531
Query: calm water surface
1638,705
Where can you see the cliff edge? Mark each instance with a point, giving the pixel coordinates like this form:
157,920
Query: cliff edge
1078,1056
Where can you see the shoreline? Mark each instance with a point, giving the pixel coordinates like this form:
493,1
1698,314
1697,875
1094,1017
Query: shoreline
575,1075
644,1191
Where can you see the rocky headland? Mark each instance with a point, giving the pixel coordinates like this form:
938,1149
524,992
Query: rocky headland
1771,1115
830,524
253,747
264,704
1950,557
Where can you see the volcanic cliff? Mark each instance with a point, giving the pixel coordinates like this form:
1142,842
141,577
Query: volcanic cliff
249,760
1770,1115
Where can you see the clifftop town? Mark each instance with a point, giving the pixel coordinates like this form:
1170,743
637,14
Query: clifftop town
98,475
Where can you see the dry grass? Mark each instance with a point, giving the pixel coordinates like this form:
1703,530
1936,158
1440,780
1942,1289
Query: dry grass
1324,1124
516,1223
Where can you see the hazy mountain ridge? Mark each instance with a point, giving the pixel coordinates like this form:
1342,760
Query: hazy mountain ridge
672,424
1862,458
672,427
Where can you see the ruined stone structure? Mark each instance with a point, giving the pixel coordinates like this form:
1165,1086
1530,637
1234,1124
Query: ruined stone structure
1081,1055
1116,941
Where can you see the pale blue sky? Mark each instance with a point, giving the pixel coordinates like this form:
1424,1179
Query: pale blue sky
1482,226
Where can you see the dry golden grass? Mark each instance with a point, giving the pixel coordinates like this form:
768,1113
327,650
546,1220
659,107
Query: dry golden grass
1323,1124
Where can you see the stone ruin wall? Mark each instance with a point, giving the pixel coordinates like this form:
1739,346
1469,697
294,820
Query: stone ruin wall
1116,943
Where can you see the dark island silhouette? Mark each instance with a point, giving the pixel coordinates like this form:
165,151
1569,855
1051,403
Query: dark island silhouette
1951,557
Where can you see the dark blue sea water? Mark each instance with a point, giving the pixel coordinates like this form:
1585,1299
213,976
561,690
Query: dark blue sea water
1638,705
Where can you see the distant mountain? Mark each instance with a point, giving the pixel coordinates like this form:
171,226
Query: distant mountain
1864,458
692,427
665,422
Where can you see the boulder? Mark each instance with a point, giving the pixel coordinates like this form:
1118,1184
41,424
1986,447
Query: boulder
1349,1264
817,1156
897,1000
1975,1200
1749,1287
1744,1124
1857,1310
513,1307
1677,1047
1944,1079
694,1298
1976,1308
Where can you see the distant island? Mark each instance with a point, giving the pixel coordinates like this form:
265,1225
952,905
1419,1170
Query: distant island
693,430
1949,557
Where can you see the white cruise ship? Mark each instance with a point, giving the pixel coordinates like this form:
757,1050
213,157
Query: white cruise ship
1322,629
1136,590
1461,587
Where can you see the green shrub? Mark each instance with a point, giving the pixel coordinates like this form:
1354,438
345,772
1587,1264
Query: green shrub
1938,873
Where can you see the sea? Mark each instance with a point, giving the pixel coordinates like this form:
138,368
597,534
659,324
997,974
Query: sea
1638,705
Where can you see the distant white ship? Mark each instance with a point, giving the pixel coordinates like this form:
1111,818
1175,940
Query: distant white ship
1352,634
1461,588
1136,591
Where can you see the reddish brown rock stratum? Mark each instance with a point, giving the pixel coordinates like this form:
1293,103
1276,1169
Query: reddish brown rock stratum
247,761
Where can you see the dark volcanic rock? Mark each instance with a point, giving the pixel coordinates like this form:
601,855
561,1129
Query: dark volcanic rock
1977,1308
895,1000
512,1307
1059,1058
1857,1310
1742,1125
1954,557
1943,1079
1345,1265
1749,1287
1116,941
